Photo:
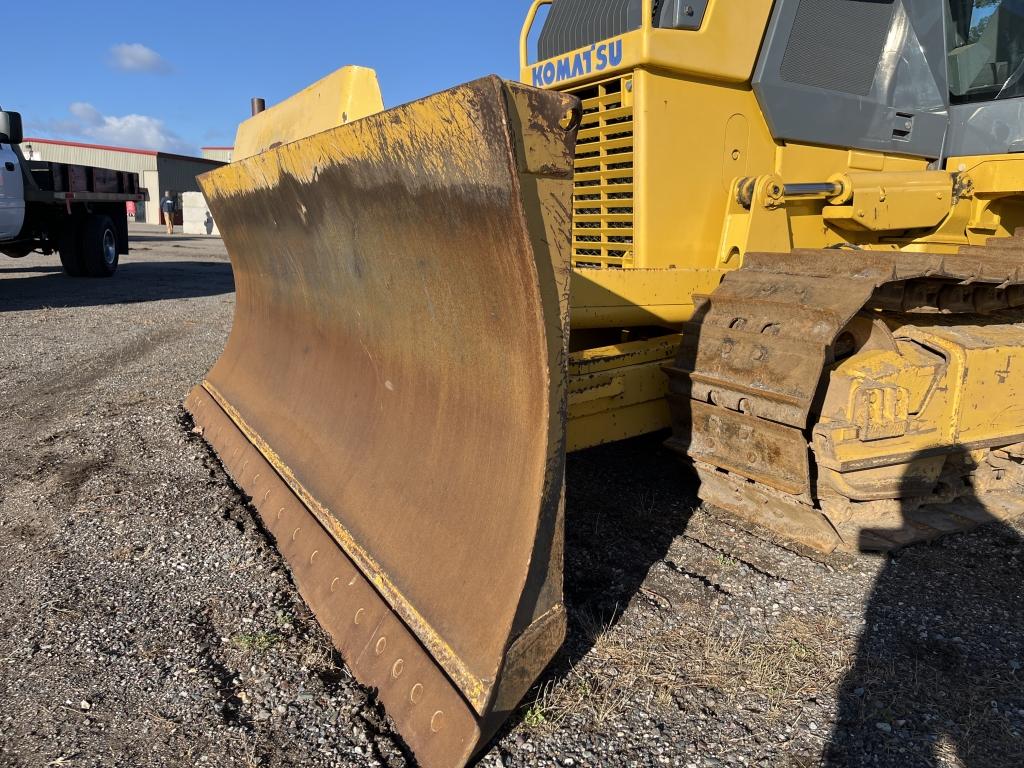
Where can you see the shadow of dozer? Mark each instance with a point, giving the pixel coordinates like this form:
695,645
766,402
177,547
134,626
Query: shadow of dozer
836,427
937,677
942,493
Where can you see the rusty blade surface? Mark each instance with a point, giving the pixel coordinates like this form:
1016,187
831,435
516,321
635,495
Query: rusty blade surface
392,392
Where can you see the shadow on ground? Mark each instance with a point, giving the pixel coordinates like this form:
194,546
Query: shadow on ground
27,270
165,238
625,504
135,281
938,677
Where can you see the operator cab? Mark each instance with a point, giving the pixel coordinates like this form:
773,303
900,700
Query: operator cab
986,50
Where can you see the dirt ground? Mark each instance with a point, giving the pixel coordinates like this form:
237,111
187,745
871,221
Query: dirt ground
146,620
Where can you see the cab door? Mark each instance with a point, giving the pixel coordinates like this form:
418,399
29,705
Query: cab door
12,194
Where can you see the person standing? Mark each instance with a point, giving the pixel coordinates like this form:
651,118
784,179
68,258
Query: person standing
167,207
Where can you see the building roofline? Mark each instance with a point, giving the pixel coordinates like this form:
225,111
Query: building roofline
192,158
61,142
216,148
108,148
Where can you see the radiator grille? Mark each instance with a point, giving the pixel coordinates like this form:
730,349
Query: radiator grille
602,226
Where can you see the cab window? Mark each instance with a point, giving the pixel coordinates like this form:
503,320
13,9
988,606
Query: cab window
986,49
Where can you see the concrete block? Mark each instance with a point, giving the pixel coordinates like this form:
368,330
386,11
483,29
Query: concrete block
196,216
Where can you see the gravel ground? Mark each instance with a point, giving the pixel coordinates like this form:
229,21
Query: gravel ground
145,619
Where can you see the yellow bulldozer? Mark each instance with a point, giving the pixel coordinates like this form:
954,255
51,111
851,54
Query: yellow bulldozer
788,231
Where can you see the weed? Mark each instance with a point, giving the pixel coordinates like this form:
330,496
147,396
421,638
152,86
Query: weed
255,642
535,717
725,561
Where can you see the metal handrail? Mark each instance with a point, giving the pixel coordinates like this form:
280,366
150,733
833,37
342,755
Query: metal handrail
646,15
524,35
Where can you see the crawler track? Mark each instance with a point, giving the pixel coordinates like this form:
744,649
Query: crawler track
747,385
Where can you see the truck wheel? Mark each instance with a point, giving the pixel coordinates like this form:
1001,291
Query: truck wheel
99,246
69,246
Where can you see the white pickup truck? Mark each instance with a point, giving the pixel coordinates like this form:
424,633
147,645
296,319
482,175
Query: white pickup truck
74,210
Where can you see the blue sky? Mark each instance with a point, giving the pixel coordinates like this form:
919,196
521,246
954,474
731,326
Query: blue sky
177,76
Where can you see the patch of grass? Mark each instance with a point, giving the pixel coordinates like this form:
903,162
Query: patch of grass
797,658
315,652
770,672
255,642
556,700
608,682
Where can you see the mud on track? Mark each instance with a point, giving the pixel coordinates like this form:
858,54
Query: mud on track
145,619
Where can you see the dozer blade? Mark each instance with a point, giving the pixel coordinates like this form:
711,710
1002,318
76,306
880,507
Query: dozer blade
392,397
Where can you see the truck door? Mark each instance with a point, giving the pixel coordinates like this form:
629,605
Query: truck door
12,194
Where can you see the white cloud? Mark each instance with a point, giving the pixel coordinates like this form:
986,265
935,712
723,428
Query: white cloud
135,57
134,131
87,113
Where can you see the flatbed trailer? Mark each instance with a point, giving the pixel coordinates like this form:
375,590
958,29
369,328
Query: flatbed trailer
77,211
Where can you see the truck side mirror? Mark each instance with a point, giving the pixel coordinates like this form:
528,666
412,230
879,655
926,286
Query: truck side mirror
10,128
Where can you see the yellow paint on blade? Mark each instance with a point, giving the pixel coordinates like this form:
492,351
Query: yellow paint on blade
418,139
348,94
